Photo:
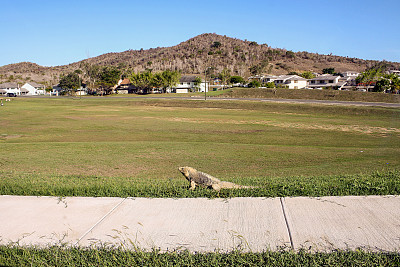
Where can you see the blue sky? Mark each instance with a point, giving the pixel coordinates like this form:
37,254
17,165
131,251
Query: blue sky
58,32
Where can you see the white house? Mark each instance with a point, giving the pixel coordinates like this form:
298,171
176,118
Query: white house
397,72
326,80
268,78
290,81
350,78
33,88
350,74
57,90
187,84
6,88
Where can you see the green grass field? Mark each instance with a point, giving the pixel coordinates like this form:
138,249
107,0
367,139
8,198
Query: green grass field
133,147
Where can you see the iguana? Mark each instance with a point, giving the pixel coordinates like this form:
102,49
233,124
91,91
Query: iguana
196,177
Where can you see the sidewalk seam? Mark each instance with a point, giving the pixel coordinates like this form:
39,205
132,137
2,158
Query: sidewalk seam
102,219
287,222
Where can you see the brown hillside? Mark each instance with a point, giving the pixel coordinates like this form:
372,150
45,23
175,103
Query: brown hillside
195,55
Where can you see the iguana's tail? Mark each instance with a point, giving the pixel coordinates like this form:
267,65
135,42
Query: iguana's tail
230,185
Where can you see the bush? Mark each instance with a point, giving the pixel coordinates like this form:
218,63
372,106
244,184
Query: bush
270,85
254,84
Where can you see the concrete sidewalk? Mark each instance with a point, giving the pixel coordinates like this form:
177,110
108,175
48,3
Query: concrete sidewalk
251,224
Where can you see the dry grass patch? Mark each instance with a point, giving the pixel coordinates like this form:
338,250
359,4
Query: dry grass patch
325,126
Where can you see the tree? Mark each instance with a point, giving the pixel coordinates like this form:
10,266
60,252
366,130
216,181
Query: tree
369,77
216,45
159,80
293,73
382,85
171,78
142,80
197,82
91,74
388,82
224,76
108,77
395,83
236,79
307,75
328,71
290,54
70,82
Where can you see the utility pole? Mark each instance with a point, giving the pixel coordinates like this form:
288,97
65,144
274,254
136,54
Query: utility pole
205,83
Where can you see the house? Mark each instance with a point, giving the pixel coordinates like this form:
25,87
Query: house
216,81
350,78
268,78
326,81
256,78
350,74
187,83
57,90
6,88
290,81
81,91
397,72
32,88
125,87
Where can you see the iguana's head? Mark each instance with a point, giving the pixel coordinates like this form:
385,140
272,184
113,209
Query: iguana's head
186,171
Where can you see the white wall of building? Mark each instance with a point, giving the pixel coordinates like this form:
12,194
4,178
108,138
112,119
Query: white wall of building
31,90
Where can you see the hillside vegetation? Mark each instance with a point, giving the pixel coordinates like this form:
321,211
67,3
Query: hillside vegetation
194,56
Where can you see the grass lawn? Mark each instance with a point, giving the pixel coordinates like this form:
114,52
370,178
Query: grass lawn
56,256
133,147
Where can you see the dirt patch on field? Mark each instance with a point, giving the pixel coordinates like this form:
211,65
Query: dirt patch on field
6,136
342,128
328,127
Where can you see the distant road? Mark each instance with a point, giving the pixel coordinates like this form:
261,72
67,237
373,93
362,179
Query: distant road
275,100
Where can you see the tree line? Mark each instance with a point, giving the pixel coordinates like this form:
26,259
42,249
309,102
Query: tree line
103,79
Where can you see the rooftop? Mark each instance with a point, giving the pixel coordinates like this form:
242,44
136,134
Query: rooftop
325,77
8,85
187,78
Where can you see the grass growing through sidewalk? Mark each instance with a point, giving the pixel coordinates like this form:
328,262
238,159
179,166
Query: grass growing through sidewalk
56,256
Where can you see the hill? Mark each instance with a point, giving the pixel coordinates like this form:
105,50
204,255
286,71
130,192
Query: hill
195,55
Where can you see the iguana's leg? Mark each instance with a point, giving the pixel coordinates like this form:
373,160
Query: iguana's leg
192,185
216,187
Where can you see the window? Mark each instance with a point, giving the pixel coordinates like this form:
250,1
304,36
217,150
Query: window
312,81
330,81
296,81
